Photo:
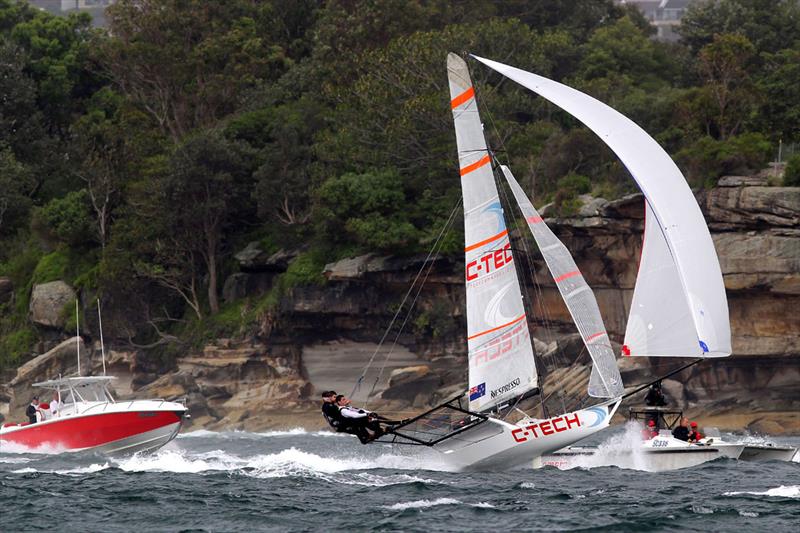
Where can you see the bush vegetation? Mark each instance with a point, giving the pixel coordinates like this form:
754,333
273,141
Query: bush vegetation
134,162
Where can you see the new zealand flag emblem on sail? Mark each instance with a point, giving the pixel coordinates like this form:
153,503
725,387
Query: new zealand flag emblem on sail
477,391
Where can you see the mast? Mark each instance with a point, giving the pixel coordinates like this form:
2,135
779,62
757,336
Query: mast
501,364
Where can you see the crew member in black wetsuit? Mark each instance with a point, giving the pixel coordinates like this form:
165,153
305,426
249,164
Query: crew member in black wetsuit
30,412
331,411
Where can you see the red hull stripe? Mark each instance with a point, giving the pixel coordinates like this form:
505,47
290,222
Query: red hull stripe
461,98
594,336
487,241
476,165
498,327
572,274
89,431
534,220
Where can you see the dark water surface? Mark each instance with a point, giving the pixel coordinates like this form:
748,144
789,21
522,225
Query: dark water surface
298,481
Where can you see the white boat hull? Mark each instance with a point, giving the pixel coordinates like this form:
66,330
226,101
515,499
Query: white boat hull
660,454
497,444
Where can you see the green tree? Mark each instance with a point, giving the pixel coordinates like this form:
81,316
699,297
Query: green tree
203,192
66,220
791,177
367,209
728,97
780,109
283,136
17,186
770,25
189,62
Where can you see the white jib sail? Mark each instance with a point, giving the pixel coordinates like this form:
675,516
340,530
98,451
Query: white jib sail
501,364
605,381
660,326
671,204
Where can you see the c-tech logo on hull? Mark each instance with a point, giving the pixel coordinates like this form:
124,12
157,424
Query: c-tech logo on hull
547,427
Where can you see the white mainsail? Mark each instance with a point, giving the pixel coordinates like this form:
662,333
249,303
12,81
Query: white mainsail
605,380
685,248
501,364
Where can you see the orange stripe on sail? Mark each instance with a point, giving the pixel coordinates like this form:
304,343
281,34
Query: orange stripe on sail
487,241
469,168
598,334
534,220
568,275
461,98
498,327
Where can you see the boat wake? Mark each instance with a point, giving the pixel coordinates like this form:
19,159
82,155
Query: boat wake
623,450
15,448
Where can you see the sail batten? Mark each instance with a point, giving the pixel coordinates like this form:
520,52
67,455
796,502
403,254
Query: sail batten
501,364
605,380
688,251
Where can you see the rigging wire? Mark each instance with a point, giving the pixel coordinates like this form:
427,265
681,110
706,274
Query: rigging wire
431,252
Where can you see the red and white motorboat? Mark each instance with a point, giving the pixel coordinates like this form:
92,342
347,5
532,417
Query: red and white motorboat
91,419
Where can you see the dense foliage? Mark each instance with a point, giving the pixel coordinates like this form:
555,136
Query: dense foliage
135,160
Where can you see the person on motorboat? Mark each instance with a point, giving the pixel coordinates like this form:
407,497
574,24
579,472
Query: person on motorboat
694,434
33,410
55,406
655,396
650,430
44,411
682,431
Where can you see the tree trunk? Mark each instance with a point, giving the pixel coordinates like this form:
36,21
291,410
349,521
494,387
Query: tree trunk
211,260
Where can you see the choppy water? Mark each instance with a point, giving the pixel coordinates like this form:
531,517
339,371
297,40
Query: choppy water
299,481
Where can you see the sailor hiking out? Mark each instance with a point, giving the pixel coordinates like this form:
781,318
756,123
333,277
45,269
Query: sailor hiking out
344,418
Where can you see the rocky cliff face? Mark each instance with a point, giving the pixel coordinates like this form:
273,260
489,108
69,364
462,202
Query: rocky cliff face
321,337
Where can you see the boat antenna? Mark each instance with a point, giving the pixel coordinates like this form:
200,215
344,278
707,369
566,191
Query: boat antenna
102,346
78,335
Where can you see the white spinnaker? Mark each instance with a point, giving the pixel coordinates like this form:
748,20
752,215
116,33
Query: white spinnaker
501,364
671,201
605,381
660,326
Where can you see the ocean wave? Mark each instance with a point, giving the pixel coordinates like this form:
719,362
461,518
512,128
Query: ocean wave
784,491
181,462
15,460
91,469
291,462
294,462
424,504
